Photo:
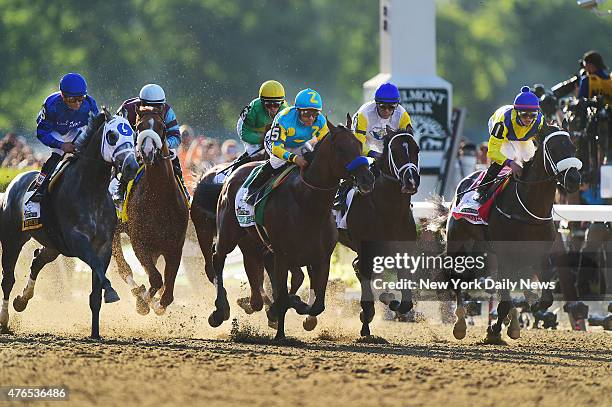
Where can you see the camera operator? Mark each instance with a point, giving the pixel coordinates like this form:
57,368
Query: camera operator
596,81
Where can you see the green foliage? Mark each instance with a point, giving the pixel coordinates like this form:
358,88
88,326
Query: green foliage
7,175
211,55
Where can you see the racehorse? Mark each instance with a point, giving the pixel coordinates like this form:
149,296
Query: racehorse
82,220
297,219
157,214
385,214
522,212
204,214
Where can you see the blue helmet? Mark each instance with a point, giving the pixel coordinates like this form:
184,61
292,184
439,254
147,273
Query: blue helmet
387,93
308,99
526,100
73,84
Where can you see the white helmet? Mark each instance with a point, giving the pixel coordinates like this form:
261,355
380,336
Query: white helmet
152,94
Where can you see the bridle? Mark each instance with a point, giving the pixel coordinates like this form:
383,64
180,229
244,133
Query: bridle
556,167
398,171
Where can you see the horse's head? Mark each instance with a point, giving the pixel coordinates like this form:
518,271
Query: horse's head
400,160
558,154
118,146
346,159
151,130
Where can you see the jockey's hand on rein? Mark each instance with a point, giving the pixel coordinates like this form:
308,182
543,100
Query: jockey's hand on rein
301,162
68,148
517,170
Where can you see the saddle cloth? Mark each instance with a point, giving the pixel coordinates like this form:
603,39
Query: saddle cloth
248,215
471,210
32,212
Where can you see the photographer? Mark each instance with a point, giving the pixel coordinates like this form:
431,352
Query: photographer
596,81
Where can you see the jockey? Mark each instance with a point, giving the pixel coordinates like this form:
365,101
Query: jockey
511,129
251,126
294,131
62,115
370,125
371,120
153,95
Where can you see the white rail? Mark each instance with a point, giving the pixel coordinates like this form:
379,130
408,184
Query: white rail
585,213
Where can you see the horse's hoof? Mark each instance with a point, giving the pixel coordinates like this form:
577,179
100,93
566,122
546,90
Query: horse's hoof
245,304
214,320
139,291
19,303
394,305
279,336
365,330
514,328
460,328
310,323
159,310
493,338
141,306
110,296
4,319
273,324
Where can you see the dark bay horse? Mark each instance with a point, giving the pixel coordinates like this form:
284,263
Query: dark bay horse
298,222
385,214
521,215
83,220
157,216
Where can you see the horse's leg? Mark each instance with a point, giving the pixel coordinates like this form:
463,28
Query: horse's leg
503,309
281,295
297,278
271,312
42,257
406,303
311,321
148,262
222,308
170,271
460,328
82,246
10,254
253,266
95,303
367,297
206,229
125,271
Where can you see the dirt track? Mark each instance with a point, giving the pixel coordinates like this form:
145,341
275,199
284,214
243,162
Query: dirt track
177,359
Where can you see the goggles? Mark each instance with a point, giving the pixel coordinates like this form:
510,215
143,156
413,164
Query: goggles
527,114
271,103
73,99
387,106
312,113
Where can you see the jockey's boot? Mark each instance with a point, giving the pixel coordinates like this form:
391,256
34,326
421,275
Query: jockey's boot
176,166
340,203
44,177
485,188
260,180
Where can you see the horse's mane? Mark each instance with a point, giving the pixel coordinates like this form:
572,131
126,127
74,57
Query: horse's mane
93,125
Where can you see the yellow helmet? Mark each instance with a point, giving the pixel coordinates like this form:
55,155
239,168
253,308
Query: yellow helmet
272,91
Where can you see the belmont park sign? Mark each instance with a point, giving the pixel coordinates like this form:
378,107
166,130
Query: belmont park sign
429,111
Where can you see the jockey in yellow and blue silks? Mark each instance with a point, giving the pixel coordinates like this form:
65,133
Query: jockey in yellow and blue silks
62,115
294,131
511,129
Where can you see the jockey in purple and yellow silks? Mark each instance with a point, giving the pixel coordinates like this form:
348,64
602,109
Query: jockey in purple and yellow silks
292,132
511,129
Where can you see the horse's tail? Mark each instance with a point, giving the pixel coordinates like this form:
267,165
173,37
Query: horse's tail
437,222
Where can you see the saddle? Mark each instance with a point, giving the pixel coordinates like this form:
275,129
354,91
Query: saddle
470,210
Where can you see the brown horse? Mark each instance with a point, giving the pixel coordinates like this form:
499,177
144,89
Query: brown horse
157,216
298,222
204,215
385,214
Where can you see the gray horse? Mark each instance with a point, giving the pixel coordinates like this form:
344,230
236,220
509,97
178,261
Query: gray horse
83,215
